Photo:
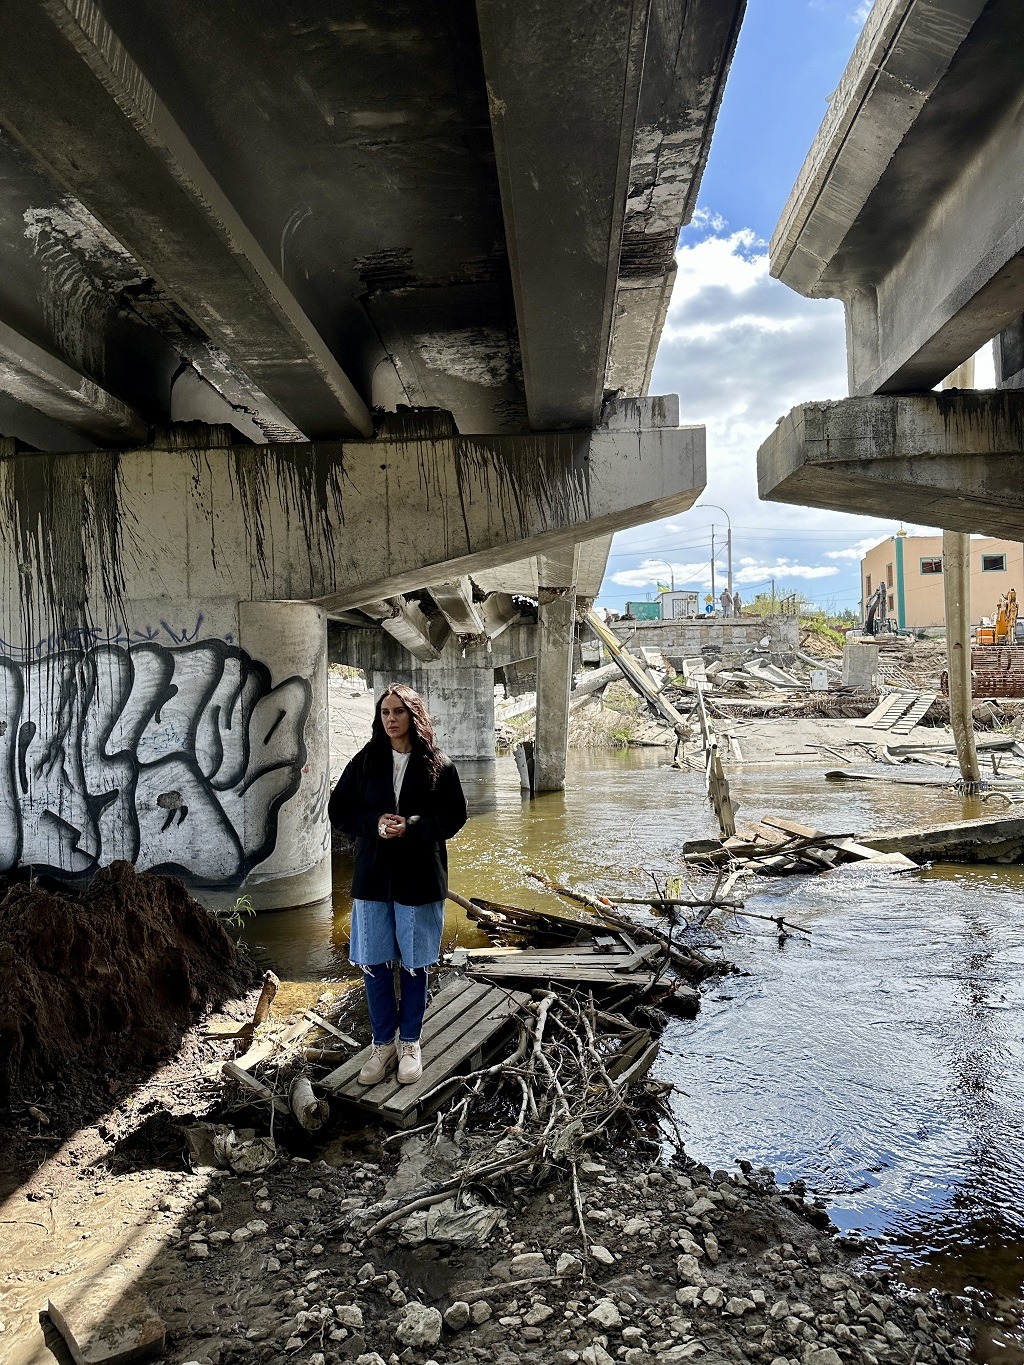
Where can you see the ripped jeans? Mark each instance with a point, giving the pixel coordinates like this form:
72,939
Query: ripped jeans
386,935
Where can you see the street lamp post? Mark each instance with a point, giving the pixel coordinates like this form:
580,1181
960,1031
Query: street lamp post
671,571
728,542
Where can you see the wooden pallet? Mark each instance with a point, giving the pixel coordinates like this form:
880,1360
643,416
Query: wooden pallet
915,715
463,1027
622,966
887,712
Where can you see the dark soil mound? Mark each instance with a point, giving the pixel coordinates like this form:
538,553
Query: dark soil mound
105,982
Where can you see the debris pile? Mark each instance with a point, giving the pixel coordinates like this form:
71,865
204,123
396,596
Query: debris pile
107,981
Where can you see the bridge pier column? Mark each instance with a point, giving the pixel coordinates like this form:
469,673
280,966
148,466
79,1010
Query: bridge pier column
288,778
556,636
460,700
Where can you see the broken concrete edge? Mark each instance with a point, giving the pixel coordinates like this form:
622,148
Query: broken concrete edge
939,459
107,1323
880,89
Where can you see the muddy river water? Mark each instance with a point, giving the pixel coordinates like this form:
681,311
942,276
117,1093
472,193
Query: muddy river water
881,1059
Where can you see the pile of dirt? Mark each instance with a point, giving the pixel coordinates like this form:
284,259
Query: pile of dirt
106,982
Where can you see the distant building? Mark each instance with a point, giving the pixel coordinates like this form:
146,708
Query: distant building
911,569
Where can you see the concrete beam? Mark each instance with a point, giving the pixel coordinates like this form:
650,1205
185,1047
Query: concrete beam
32,376
455,602
338,524
374,652
563,90
949,459
98,126
409,624
498,611
908,206
688,52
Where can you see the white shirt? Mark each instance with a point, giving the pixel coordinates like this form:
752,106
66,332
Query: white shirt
399,763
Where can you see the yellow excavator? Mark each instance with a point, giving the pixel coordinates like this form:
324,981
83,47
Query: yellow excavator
1006,619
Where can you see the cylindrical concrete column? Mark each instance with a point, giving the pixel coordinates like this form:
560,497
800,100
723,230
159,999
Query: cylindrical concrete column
285,832
556,619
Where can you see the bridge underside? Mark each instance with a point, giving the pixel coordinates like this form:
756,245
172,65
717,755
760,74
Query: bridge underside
331,309
908,208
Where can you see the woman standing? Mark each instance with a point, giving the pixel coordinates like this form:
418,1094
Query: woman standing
400,798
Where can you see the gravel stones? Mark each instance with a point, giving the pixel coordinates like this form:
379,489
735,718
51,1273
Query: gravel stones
601,1255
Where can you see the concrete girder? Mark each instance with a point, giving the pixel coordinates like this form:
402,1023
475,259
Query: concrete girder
949,459
498,611
908,206
32,376
563,92
689,49
98,126
338,524
374,652
424,637
455,602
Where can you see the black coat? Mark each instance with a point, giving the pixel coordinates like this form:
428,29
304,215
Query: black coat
412,870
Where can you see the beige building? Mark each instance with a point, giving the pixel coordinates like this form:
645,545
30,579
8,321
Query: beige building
911,569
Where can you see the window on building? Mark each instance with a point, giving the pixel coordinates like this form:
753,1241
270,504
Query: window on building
867,586
892,602
993,563
932,565
888,575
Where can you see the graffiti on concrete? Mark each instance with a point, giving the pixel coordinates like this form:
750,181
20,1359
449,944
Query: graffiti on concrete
89,637
178,759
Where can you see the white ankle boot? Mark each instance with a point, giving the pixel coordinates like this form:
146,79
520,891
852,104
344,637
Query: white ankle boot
410,1063
378,1064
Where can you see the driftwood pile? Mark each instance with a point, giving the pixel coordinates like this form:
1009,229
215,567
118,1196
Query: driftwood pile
778,847
575,1079
280,1068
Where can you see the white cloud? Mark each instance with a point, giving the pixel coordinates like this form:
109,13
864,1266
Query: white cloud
782,570
861,13
855,552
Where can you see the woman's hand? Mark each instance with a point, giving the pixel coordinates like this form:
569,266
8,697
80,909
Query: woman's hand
391,826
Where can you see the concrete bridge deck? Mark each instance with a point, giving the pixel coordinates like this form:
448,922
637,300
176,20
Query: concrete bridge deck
307,311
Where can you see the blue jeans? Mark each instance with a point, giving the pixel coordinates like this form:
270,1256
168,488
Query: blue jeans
388,1013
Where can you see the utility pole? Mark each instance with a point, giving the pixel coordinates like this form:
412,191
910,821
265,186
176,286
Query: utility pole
773,596
956,590
712,560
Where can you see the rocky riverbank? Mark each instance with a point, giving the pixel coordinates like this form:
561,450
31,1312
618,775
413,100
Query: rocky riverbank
646,1258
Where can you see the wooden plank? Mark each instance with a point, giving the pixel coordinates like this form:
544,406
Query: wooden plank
641,955
793,827
438,1012
439,1052
462,1053
579,976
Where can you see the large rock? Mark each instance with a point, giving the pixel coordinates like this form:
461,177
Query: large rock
106,1323
419,1326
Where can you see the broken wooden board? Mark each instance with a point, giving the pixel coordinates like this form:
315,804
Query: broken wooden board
464,1026
624,967
540,925
988,839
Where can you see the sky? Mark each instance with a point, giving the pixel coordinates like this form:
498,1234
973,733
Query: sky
739,348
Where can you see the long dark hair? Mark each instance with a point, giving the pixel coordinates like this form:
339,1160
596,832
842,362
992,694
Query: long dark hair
421,732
